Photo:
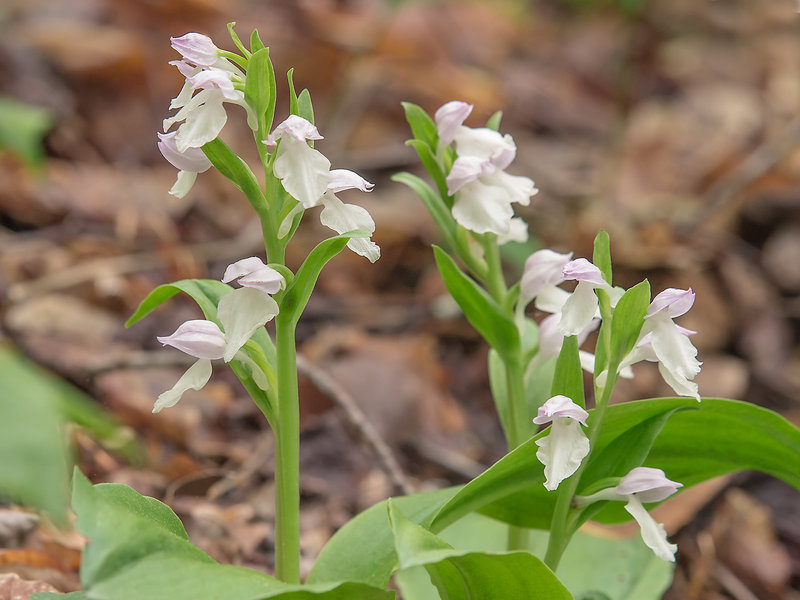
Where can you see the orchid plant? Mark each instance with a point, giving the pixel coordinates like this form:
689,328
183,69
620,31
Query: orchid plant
590,454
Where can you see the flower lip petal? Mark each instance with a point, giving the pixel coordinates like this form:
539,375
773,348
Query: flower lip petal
674,302
648,483
198,338
583,270
560,407
449,117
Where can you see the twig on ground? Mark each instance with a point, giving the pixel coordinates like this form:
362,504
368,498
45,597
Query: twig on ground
355,417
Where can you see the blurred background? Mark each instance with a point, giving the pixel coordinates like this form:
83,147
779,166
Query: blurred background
672,124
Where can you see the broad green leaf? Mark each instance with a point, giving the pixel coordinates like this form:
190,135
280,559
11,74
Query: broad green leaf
296,296
568,376
236,170
259,88
481,310
627,320
601,258
435,205
463,574
422,126
629,569
33,454
363,549
164,576
719,436
124,527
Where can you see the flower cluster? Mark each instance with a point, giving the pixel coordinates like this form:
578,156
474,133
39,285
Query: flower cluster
483,192
661,339
241,312
212,80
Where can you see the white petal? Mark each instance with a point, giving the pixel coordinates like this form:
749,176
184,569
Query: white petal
561,451
583,270
243,266
183,183
194,378
449,117
294,127
560,407
196,47
542,268
242,313
303,171
517,232
676,355
486,144
579,309
519,189
673,301
653,534
194,159
466,169
483,208
343,218
202,124
648,483
198,338
551,299
342,179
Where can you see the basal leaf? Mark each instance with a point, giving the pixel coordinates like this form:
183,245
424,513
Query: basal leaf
363,549
481,310
463,574
164,576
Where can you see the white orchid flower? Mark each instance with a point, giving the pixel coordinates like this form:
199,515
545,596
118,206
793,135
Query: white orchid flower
343,218
449,117
306,175
565,446
543,269
483,191
241,312
189,163
668,344
303,171
582,305
642,484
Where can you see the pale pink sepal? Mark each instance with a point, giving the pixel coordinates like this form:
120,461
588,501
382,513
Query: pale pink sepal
449,117
198,338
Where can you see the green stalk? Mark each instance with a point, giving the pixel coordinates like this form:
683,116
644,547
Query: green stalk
287,456
561,529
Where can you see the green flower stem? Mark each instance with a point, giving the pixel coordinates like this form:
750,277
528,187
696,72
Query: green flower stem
562,526
287,456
